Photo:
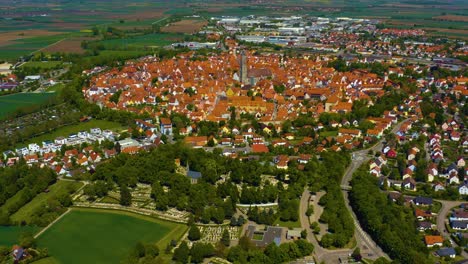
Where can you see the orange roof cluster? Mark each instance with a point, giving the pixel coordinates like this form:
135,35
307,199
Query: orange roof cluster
206,89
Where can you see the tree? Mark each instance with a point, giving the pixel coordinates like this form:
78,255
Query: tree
140,250
115,97
310,210
125,196
181,254
194,233
199,251
151,250
26,240
225,238
356,254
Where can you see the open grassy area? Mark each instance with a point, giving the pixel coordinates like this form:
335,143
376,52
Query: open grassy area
75,128
24,214
329,133
104,236
288,224
142,41
9,234
26,46
12,201
41,64
49,260
10,103
55,88
108,199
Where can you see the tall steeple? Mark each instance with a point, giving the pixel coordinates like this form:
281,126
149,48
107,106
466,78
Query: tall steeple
243,67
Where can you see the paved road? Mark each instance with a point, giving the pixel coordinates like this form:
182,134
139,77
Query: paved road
320,253
442,219
369,249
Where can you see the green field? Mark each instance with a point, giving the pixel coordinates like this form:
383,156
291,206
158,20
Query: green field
12,201
9,234
41,64
26,46
328,133
24,214
104,236
72,129
55,88
142,41
10,103
288,224
49,260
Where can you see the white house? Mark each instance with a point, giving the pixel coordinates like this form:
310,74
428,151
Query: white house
83,134
463,190
33,148
60,141
95,131
453,179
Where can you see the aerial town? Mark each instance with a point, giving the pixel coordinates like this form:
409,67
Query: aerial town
265,139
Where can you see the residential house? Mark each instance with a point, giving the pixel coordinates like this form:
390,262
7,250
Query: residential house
294,234
460,215
446,252
409,184
439,187
165,126
109,153
453,179
260,148
391,154
422,215
424,225
424,201
432,172
459,225
194,176
18,253
304,158
30,159
463,189
432,241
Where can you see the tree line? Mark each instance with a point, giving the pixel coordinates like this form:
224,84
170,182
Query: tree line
390,224
22,181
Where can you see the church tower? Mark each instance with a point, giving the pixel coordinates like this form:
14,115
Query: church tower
243,68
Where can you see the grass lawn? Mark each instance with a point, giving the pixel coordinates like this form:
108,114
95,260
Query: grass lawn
329,133
49,260
55,88
288,224
257,236
9,234
26,211
12,201
41,64
436,206
71,129
11,103
108,199
149,40
104,236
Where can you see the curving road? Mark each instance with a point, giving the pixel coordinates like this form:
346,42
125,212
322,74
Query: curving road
442,220
320,253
